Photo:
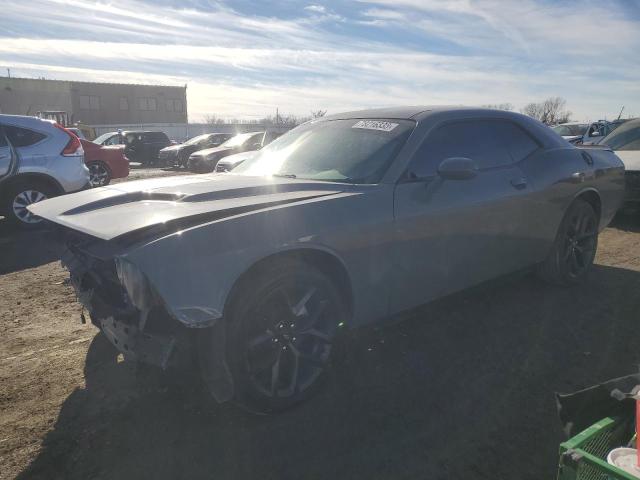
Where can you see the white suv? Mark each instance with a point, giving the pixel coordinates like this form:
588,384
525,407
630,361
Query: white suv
38,159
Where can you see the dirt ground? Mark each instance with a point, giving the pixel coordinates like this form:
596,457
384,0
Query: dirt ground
461,388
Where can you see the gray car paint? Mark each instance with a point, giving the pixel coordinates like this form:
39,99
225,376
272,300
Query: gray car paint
401,243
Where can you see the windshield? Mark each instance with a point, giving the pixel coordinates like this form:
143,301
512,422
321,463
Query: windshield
355,151
99,140
625,137
198,139
241,139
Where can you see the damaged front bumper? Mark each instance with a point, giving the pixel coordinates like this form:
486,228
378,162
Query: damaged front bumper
147,335
124,306
136,345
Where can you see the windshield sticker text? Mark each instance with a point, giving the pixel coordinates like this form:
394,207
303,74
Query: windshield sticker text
375,125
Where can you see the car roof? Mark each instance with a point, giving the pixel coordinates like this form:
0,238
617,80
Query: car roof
25,120
418,112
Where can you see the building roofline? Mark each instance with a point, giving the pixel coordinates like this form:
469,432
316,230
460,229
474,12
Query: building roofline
3,77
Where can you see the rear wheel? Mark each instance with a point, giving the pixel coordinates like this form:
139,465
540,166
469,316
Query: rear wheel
99,174
19,197
281,336
575,246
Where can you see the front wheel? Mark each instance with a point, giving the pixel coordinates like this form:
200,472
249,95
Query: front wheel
575,246
281,336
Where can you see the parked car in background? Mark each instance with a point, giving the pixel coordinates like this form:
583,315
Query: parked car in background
206,160
571,131
39,159
178,155
104,162
592,133
78,133
140,146
340,223
625,142
230,162
599,130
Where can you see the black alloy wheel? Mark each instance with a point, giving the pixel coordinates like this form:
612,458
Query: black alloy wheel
580,242
574,249
282,337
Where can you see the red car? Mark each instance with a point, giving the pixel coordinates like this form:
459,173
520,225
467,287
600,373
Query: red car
104,162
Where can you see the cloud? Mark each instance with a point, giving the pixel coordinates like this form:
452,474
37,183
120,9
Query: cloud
316,8
374,53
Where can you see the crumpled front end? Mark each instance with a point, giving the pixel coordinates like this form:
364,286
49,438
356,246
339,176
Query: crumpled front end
133,319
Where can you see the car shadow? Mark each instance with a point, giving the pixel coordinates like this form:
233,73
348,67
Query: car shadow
460,388
20,249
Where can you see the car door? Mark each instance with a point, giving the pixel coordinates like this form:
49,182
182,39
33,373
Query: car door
460,211
7,159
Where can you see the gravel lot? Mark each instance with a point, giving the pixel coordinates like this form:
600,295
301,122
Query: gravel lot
461,388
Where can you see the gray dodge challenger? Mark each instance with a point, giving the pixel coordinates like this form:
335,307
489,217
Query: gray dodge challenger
341,222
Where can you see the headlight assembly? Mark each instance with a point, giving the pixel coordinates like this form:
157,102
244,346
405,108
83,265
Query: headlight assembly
135,284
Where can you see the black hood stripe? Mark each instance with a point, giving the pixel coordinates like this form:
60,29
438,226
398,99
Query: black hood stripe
183,223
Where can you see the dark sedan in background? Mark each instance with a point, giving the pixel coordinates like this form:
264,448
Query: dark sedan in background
178,155
339,223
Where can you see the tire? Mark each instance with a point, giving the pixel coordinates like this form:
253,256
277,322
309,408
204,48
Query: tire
19,196
281,330
99,174
574,248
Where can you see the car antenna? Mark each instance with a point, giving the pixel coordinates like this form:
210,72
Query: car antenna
620,114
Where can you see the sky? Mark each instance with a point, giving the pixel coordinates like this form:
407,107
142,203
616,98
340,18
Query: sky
244,59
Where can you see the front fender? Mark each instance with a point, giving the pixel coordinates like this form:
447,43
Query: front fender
195,270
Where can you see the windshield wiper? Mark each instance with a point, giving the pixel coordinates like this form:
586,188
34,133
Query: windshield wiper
285,175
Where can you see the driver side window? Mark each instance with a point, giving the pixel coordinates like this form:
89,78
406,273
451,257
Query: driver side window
490,143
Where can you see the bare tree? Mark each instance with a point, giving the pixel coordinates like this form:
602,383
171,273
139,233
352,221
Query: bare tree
213,119
500,106
550,112
318,113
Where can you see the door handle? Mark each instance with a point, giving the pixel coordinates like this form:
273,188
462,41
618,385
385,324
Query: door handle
519,183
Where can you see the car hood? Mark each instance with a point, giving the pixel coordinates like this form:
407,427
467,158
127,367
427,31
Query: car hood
232,160
174,203
208,151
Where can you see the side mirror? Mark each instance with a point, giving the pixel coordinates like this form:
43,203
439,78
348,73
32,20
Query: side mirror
457,168
255,146
595,134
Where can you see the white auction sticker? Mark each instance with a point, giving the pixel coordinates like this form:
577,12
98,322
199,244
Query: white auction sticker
375,125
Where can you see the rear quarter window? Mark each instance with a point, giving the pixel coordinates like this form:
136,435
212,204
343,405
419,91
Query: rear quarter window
23,137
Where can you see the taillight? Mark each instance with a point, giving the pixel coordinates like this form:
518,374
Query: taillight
73,147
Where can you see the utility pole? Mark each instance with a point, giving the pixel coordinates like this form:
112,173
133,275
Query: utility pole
9,72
